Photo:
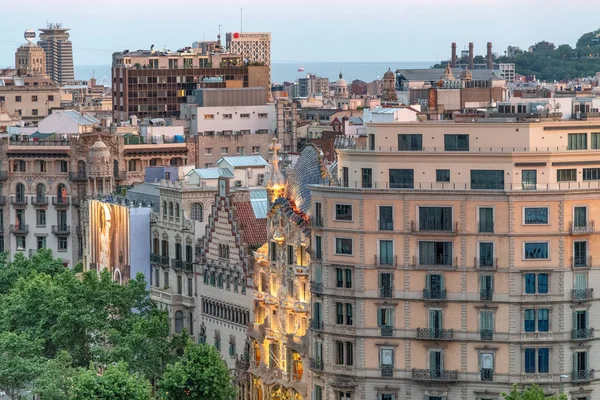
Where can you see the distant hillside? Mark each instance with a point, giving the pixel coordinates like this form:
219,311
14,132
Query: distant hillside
550,63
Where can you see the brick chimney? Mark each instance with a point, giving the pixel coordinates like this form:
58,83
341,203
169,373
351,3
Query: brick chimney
471,62
490,60
453,62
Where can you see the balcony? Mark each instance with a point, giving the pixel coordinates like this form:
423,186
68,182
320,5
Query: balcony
434,294
18,200
180,264
39,201
316,325
61,229
582,229
434,375
435,262
583,375
386,292
582,334
434,334
434,226
385,261
385,224
487,263
158,259
317,221
19,229
387,330
582,294
582,262
387,370
486,295
486,334
316,364
60,201
80,176
316,287
487,375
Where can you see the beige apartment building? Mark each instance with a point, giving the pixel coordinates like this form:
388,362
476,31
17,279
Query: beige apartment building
455,259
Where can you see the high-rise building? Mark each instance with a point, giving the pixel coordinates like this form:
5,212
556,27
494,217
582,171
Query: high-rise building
30,59
468,252
253,46
59,53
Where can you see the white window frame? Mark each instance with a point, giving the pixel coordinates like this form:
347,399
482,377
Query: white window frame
418,220
523,216
486,241
535,259
587,212
493,207
393,215
335,244
335,212
379,248
393,357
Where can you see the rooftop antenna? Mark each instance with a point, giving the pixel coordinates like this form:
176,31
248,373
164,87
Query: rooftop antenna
241,19
219,35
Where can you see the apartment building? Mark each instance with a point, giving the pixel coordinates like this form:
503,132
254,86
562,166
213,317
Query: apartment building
30,97
253,46
54,39
452,260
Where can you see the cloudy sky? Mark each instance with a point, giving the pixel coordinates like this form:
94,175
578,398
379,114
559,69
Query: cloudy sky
304,30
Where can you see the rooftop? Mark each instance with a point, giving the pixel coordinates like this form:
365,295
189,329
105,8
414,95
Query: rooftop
212,173
244,161
258,198
435,74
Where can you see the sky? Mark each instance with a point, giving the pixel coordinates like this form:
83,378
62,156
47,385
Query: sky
302,31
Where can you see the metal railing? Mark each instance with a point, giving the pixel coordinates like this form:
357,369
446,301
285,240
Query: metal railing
387,330
486,262
385,261
486,334
387,370
316,325
316,364
582,334
78,176
39,200
386,292
18,200
486,294
487,374
61,229
588,227
60,201
583,375
582,294
435,334
158,259
461,152
434,375
316,287
485,227
317,221
434,294
434,226
39,143
436,261
582,262
385,225
19,229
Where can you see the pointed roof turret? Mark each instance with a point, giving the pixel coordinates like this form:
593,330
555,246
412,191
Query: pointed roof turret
448,76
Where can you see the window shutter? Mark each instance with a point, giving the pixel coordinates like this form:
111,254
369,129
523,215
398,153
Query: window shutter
442,282
379,317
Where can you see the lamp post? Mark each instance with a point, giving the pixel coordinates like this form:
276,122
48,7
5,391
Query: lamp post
561,384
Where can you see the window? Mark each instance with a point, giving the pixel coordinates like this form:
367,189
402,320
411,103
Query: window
34,98
255,149
290,255
18,99
580,217
566,175
529,179
227,116
486,254
209,116
232,346
318,214
535,251
21,243
442,175
156,277
196,212
343,246
343,277
20,192
179,284
178,322
343,212
595,140
456,142
434,285
263,115
345,177
386,284
543,360
577,141
535,216
591,174
487,179
344,353
19,166
401,178
542,283
386,252
318,392
273,251
2,99
543,316
166,279
435,253
435,219
62,244
436,362
386,218
34,111
486,219
343,313
208,151
407,142
367,178
318,248
41,242
218,340
224,150
385,316
64,167
542,319
244,116
580,254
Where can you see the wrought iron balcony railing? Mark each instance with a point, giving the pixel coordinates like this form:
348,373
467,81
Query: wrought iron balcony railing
18,200
39,200
487,374
387,330
486,294
434,334
434,226
434,294
389,261
583,375
434,375
316,364
316,325
20,229
387,370
582,294
316,287
486,334
582,262
60,201
582,334
386,292
588,227
486,262
61,229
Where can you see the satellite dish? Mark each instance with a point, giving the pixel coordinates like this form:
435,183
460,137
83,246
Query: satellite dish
29,35
557,106
548,107
539,108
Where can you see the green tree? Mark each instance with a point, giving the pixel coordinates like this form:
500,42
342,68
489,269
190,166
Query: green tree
56,380
115,383
200,374
533,392
22,267
20,361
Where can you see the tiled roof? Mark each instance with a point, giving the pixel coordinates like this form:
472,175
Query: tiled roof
244,161
212,173
435,74
254,229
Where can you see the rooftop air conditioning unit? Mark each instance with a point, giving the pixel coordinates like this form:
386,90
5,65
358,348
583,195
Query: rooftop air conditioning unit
238,184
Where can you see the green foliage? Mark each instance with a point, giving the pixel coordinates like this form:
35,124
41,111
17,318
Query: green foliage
20,362
22,267
115,383
533,392
55,382
201,374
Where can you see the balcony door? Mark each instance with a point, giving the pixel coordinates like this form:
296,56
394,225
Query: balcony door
436,363
435,320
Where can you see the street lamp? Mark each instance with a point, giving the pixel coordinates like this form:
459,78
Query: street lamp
561,384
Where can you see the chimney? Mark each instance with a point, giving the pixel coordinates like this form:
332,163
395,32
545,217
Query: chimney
453,62
490,61
471,64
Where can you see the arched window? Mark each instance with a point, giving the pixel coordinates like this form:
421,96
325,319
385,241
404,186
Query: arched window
40,192
20,192
61,193
197,212
178,322
81,167
164,209
170,209
177,210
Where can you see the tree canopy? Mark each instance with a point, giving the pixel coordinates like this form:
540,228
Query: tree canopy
533,392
